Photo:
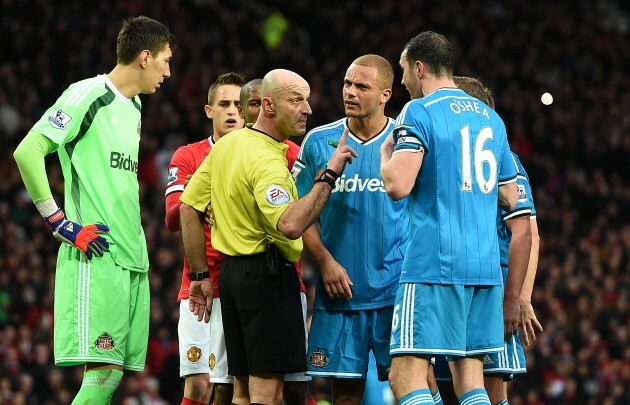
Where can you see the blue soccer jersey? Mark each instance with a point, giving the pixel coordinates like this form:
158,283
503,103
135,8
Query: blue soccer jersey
454,202
362,228
524,206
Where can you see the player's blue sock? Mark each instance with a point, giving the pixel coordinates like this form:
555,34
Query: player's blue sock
476,396
437,398
417,397
98,387
504,402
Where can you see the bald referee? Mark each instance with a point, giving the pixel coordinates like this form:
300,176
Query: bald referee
258,223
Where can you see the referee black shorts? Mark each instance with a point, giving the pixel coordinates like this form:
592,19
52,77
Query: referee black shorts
262,317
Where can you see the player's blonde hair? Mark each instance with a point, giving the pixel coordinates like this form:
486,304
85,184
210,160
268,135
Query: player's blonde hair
384,70
474,87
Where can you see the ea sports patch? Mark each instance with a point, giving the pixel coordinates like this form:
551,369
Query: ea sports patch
59,119
521,193
172,175
277,195
105,342
318,359
212,361
193,354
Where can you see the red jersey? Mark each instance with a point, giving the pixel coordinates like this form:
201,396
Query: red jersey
185,161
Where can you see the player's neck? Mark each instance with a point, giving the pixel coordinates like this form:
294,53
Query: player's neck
367,127
429,86
125,79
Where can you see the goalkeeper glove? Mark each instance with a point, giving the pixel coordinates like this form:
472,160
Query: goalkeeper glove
85,238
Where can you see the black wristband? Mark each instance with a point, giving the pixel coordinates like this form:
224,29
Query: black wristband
326,177
199,276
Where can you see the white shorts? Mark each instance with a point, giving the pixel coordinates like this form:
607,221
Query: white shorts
194,342
218,367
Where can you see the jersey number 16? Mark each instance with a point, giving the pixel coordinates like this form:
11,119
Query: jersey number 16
479,156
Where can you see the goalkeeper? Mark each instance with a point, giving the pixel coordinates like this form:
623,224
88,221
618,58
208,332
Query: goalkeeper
101,284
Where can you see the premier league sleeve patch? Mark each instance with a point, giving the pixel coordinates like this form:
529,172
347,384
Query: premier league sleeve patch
172,175
59,119
276,195
521,193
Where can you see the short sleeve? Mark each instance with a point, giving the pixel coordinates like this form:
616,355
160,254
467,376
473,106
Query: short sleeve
62,121
274,190
197,192
412,129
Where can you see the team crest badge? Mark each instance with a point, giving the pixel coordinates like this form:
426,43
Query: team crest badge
105,342
193,354
318,359
212,361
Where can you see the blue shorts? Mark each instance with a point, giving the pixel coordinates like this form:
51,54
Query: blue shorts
454,320
510,363
339,343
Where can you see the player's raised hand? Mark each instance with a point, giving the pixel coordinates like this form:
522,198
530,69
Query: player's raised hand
200,299
343,154
86,238
529,323
336,280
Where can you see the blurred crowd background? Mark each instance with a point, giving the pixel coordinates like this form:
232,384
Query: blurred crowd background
576,151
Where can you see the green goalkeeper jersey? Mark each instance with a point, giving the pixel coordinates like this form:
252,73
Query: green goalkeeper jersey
97,131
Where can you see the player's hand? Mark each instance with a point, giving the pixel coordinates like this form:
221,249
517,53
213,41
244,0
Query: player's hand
209,217
200,299
343,154
529,323
188,176
336,280
86,238
511,315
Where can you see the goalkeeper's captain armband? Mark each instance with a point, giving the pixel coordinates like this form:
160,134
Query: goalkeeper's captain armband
86,238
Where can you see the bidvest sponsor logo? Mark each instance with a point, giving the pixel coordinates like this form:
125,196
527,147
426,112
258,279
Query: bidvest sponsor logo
118,160
352,184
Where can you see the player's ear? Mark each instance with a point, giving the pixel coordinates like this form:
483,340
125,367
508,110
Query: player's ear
143,58
208,111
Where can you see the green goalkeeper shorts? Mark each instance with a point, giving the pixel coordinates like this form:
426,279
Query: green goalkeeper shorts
101,312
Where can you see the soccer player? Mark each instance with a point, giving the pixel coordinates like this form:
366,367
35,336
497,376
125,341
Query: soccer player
362,237
258,223
101,283
201,348
295,384
510,363
449,153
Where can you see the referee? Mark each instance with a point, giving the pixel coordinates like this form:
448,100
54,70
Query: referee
258,223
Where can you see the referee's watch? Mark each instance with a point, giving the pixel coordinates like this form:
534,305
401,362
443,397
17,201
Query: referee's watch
199,276
328,176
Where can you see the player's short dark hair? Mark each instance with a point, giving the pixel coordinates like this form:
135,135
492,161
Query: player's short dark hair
434,50
140,33
247,88
226,78
474,87
384,69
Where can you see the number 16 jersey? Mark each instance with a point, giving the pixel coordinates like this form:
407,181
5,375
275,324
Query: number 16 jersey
453,204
